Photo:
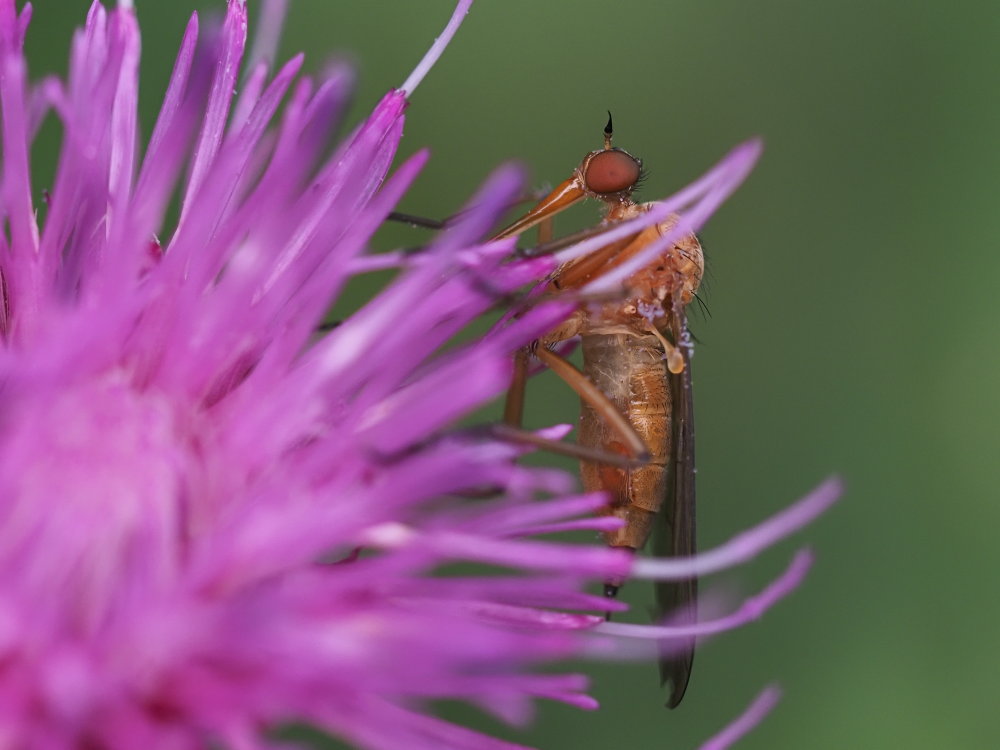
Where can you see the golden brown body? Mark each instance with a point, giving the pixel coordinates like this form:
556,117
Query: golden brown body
631,371
636,352
635,387
628,362
626,356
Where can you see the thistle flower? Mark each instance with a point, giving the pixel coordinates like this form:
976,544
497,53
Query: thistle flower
212,522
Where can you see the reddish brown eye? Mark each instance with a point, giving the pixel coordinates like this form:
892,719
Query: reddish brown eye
611,171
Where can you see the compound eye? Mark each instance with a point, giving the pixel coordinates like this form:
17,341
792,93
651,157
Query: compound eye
611,171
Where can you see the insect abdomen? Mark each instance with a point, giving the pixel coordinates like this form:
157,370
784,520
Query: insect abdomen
630,370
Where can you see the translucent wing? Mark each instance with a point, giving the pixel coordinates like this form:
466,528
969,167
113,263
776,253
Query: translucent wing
675,535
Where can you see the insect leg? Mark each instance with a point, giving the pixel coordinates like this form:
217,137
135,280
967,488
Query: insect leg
513,408
601,404
546,230
579,272
420,222
574,450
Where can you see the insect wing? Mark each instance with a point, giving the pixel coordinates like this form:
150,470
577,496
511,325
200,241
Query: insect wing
675,536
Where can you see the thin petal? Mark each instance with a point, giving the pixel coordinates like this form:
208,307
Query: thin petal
437,49
746,545
755,713
231,44
751,609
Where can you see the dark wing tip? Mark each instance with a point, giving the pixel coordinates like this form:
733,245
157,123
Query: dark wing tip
676,670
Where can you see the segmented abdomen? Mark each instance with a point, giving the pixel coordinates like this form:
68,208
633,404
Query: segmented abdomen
630,370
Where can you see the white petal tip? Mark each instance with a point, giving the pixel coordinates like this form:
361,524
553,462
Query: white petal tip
411,83
755,713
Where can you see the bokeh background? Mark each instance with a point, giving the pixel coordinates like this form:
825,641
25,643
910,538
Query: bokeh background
853,289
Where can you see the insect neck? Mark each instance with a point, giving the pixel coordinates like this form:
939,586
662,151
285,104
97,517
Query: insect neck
621,209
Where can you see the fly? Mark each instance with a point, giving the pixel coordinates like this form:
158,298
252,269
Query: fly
635,386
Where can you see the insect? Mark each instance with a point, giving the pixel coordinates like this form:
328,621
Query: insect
635,386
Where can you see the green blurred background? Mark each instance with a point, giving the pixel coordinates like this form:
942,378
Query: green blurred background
852,288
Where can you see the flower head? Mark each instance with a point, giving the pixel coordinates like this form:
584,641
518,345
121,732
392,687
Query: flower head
213,521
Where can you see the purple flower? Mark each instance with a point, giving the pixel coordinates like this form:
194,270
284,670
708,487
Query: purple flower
212,521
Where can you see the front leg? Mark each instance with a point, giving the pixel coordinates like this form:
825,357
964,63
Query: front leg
513,409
